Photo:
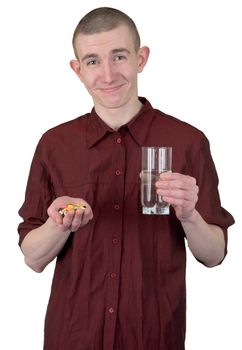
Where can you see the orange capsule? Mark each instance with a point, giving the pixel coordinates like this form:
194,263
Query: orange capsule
64,211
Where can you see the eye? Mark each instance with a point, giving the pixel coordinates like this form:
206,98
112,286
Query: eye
92,62
119,58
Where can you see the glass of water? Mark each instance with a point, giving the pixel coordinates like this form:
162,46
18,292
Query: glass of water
155,160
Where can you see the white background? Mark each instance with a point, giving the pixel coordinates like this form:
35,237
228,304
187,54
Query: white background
194,73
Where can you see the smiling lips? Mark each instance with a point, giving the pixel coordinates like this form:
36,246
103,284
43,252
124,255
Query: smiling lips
111,89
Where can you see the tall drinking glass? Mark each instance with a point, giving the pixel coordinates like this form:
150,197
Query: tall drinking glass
155,160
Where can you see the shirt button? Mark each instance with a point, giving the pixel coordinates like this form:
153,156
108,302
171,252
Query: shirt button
115,241
116,206
118,172
119,140
113,275
111,310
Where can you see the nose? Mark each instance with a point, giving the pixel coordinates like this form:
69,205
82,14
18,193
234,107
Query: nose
108,72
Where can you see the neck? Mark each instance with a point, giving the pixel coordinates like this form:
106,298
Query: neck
116,117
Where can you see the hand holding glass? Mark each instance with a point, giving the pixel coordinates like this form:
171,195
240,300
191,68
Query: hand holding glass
155,160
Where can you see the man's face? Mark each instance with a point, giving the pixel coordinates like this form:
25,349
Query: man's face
108,65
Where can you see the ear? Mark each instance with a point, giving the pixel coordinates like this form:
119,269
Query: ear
75,65
143,55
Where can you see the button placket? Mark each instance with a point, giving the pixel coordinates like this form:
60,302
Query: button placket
116,228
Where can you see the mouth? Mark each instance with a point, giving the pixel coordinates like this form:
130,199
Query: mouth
110,89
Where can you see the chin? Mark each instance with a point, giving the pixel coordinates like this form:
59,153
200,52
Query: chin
115,103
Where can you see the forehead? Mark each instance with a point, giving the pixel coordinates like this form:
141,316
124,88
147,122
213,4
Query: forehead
105,42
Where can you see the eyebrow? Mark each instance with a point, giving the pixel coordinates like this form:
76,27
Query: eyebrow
94,55
121,49
88,56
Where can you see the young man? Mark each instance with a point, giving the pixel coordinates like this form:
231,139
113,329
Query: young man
119,281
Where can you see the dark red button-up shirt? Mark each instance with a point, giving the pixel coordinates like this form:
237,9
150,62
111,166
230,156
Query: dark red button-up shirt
119,282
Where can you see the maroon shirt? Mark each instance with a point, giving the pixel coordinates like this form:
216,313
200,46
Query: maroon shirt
119,282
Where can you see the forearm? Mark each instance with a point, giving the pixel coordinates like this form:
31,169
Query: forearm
43,244
205,241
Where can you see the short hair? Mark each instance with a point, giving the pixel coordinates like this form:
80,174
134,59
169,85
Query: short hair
103,19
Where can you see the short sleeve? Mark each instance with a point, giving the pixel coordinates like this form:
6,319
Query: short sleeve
38,195
209,204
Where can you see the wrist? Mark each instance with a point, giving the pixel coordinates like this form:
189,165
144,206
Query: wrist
191,218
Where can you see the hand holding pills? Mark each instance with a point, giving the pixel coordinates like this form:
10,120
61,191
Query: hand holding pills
70,213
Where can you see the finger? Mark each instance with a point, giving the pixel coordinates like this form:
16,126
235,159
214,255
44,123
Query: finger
178,194
183,209
87,216
82,217
185,189
169,176
55,215
58,219
172,184
68,219
77,219
178,202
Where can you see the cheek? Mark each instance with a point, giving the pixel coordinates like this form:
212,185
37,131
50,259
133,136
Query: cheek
131,72
88,80
125,74
132,76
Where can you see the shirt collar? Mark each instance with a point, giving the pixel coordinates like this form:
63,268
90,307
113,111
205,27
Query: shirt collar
96,129
138,126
